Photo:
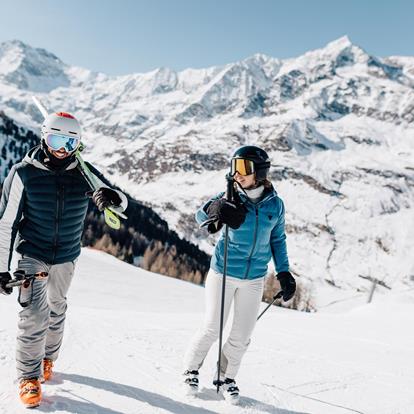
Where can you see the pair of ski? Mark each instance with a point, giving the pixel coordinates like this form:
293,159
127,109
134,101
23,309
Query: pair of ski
112,217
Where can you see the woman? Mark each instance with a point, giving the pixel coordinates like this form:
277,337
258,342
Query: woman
256,234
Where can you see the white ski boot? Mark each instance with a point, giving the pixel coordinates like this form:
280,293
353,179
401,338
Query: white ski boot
191,382
230,391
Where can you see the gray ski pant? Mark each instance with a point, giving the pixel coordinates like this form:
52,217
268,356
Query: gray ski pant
41,323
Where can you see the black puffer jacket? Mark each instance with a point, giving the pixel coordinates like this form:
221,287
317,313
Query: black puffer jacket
45,209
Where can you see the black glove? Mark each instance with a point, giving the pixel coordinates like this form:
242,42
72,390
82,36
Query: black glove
288,285
227,212
105,197
4,279
214,227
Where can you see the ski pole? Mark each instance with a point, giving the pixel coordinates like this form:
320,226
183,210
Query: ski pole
275,298
21,279
229,197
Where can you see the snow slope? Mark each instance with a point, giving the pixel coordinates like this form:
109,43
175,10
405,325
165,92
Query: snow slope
127,330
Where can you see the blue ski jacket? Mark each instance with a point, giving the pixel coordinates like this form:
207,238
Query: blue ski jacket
251,246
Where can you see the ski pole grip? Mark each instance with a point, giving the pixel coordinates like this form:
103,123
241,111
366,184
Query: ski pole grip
14,283
230,187
22,279
229,197
278,295
19,274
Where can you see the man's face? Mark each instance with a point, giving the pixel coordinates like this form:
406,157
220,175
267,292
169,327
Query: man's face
61,146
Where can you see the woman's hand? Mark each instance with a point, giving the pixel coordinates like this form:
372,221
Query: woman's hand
288,285
227,212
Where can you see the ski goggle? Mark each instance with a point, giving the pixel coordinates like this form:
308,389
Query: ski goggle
242,166
56,142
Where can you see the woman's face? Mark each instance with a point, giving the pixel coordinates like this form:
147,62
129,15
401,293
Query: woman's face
246,181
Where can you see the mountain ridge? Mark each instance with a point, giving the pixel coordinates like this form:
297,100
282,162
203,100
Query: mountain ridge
337,123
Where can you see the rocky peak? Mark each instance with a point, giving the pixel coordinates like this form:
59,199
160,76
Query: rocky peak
30,68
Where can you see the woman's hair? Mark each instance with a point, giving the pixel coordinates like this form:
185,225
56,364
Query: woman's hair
265,183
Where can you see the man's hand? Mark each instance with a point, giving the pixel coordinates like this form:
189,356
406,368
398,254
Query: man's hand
4,279
105,197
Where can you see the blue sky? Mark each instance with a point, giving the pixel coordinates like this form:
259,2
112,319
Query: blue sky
125,36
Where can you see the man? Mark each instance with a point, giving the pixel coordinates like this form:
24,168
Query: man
42,212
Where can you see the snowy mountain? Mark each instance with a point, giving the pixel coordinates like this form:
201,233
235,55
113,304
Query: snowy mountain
123,349
337,122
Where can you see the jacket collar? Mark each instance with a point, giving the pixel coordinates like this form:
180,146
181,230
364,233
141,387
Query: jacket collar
35,157
268,194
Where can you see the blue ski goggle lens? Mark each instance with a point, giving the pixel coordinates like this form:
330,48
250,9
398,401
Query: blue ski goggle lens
56,142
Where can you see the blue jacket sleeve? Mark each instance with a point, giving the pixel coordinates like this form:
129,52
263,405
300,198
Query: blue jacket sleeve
278,243
201,213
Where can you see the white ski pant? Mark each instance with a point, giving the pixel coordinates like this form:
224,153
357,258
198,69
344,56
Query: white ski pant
41,323
247,295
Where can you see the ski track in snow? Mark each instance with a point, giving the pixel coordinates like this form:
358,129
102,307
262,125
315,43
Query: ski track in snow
127,331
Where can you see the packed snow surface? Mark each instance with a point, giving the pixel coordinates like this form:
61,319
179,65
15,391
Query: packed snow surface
127,330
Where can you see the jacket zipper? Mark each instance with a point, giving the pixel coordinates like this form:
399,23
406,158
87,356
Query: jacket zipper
254,242
56,223
59,203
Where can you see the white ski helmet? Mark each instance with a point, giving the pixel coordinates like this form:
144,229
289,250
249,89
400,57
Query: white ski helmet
61,123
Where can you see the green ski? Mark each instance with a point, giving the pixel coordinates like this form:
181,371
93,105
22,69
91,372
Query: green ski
111,215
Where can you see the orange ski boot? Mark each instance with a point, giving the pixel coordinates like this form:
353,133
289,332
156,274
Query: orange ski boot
47,369
30,392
